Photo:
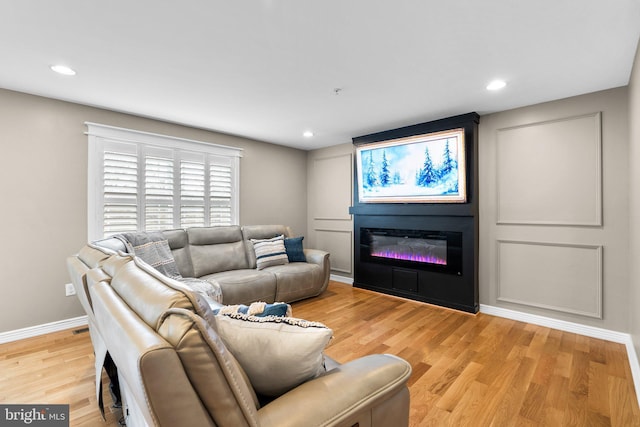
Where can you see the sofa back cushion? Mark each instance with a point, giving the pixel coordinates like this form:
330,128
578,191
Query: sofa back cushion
151,373
92,255
216,249
212,370
149,293
179,245
260,232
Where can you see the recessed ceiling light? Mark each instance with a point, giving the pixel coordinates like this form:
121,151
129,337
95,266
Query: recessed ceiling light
307,134
496,85
63,69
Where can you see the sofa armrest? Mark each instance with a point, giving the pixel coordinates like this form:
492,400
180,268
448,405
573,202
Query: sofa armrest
343,394
321,258
316,256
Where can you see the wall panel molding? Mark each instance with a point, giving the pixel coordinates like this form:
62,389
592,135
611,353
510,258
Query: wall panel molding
554,276
331,197
339,243
550,173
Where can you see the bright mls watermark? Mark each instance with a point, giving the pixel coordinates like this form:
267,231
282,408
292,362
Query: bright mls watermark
34,415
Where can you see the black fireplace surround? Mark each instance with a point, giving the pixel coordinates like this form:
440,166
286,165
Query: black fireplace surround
422,251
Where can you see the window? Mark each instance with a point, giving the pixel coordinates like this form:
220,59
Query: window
143,181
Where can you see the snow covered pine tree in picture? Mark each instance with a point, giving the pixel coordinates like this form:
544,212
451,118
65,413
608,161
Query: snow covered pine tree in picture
427,168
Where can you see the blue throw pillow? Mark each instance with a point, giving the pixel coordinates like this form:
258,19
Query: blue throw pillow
293,246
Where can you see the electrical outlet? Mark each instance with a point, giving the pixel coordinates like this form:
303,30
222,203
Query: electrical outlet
69,290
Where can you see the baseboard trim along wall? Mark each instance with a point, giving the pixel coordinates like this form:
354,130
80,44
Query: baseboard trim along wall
589,331
34,331
341,279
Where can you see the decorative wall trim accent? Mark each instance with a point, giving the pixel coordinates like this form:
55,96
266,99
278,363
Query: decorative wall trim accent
330,174
576,328
550,173
339,263
34,331
535,274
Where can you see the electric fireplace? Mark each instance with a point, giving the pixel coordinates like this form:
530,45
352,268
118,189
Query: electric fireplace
427,249
439,251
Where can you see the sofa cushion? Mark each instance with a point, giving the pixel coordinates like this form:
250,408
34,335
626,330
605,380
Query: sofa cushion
216,249
260,232
149,293
297,280
214,373
245,286
277,353
295,251
270,252
264,231
179,245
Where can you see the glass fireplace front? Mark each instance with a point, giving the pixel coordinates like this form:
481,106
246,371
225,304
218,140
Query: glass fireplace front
427,250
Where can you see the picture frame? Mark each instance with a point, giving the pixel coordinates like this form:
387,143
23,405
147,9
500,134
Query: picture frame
426,168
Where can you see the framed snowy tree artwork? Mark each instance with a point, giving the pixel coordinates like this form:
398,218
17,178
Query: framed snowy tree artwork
428,168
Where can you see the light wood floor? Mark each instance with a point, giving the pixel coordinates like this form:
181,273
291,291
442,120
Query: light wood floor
467,370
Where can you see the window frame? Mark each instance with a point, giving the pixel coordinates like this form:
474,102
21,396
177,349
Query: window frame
100,137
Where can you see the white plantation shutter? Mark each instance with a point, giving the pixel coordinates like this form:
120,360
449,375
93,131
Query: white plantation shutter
140,181
192,193
220,193
159,189
120,187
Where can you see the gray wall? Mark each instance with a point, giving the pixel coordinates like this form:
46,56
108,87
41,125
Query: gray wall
542,248
43,189
634,202
330,227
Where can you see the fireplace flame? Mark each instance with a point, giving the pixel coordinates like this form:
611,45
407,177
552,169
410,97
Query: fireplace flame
415,257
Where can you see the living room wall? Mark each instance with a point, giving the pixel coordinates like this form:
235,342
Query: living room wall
609,240
43,183
561,252
634,202
330,226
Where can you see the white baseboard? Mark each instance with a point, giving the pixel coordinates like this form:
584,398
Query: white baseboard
34,331
341,279
590,331
635,367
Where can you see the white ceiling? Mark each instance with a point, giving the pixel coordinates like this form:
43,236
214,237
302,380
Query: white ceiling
268,69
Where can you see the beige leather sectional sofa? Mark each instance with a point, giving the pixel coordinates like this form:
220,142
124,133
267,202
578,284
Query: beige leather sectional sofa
174,368
226,255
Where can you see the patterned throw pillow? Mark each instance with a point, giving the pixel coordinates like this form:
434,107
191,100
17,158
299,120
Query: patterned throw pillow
258,309
270,252
277,353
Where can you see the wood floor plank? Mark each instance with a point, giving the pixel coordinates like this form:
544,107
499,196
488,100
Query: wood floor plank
475,370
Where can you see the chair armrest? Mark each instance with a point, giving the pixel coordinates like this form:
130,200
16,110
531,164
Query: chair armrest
340,393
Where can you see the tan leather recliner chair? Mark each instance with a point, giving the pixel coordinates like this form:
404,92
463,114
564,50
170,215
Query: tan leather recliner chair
174,370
